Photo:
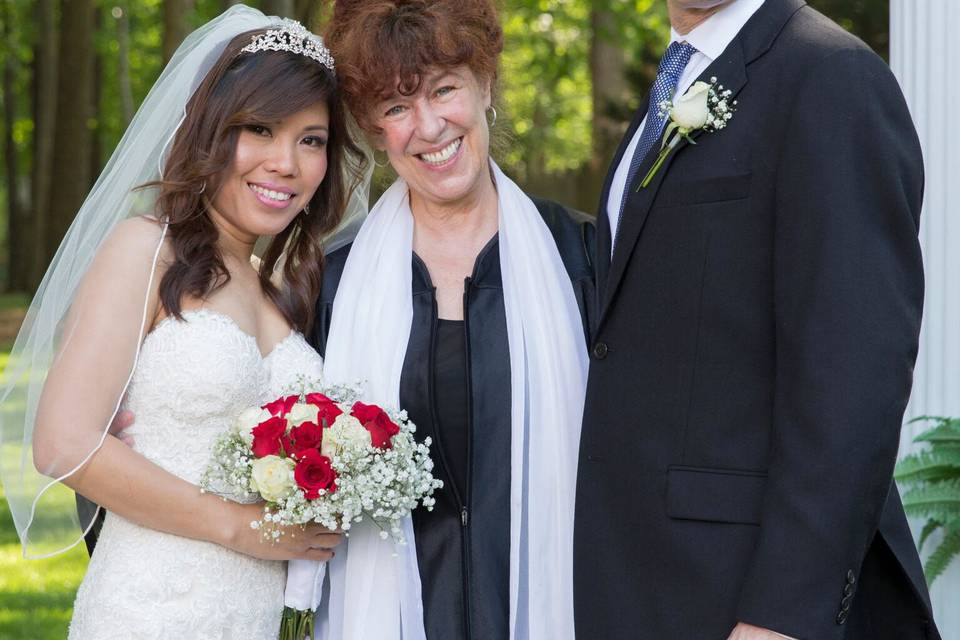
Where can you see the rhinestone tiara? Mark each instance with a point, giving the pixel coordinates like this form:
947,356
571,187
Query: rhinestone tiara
290,35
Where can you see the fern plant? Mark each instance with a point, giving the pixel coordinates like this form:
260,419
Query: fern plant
931,479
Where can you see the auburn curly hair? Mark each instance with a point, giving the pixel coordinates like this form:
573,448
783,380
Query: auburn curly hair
243,89
387,46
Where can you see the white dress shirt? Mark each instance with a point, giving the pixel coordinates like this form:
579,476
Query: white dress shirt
710,38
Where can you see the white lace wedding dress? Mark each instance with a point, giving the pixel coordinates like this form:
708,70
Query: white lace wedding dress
193,378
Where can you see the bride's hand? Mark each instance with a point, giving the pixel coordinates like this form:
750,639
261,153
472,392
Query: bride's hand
310,542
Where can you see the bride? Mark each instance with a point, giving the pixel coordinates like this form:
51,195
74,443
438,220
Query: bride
242,138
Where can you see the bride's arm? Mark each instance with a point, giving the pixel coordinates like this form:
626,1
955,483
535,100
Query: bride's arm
83,388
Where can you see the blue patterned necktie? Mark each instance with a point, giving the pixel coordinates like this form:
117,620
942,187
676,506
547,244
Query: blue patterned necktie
671,68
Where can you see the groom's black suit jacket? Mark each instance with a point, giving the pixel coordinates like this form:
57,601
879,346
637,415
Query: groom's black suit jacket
758,326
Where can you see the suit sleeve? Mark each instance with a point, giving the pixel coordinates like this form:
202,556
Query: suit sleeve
848,291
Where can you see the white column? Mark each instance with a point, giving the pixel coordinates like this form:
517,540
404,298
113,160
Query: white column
925,56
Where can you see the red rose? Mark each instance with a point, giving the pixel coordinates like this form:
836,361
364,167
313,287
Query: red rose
327,407
267,436
377,422
281,406
308,435
314,473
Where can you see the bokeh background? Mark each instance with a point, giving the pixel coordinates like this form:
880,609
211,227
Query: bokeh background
75,71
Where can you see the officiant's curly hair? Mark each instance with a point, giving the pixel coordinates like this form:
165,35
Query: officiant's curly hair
387,46
240,90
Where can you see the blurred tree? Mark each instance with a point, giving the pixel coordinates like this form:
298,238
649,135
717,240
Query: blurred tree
176,24
123,64
96,91
571,72
17,215
285,8
44,112
868,19
72,135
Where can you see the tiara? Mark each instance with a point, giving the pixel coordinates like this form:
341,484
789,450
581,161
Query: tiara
290,35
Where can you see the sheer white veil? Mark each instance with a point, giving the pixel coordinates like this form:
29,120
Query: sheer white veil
43,509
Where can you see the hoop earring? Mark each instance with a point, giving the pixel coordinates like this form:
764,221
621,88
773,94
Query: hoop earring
306,209
494,109
203,188
379,164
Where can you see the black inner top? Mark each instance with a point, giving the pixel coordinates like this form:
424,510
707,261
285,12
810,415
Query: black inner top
451,397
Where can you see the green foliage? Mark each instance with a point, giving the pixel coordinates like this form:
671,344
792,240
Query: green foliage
545,84
932,479
940,559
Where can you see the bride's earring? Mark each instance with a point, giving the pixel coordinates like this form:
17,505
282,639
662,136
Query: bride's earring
493,121
306,209
386,159
202,188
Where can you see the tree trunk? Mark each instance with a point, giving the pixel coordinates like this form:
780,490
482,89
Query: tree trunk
44,112
283,8
72,138
96,91
17,235
123,64
306,11
175,27
610,93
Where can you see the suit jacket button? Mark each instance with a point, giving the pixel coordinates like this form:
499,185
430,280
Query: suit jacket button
845,603
841,617
848,589
851,577
600,350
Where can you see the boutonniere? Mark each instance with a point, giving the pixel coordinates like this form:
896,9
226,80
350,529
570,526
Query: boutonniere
705,106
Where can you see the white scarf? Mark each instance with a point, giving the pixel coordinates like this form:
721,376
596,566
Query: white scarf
375,589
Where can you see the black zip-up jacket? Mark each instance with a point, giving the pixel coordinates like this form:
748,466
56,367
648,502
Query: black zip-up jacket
463,545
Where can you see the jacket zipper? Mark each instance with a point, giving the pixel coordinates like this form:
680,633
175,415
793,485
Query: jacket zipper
464,513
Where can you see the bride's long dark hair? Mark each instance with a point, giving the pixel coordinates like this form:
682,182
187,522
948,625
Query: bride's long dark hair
243,89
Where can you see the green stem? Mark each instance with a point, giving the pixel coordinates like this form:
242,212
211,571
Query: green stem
656,167
296,624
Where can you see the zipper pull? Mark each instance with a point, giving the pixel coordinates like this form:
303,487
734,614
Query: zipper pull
463,516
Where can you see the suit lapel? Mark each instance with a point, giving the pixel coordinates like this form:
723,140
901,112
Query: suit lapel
730,69
604,239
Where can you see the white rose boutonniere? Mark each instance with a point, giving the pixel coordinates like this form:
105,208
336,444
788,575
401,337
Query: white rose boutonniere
705,106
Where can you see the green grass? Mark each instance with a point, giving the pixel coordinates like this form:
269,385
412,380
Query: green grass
36,596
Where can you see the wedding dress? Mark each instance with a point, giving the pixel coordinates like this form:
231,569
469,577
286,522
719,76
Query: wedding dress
192,379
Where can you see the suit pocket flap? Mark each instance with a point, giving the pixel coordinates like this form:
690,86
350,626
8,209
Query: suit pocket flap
715,495
718,189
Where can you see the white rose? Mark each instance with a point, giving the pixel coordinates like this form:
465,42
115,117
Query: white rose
346,432
247,420
301,413
272,477
691,110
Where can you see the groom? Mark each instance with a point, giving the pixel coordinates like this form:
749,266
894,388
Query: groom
760,304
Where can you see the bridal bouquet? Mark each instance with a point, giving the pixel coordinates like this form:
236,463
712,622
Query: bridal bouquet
326,457
323,456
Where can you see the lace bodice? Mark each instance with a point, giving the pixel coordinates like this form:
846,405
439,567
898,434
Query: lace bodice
192,379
